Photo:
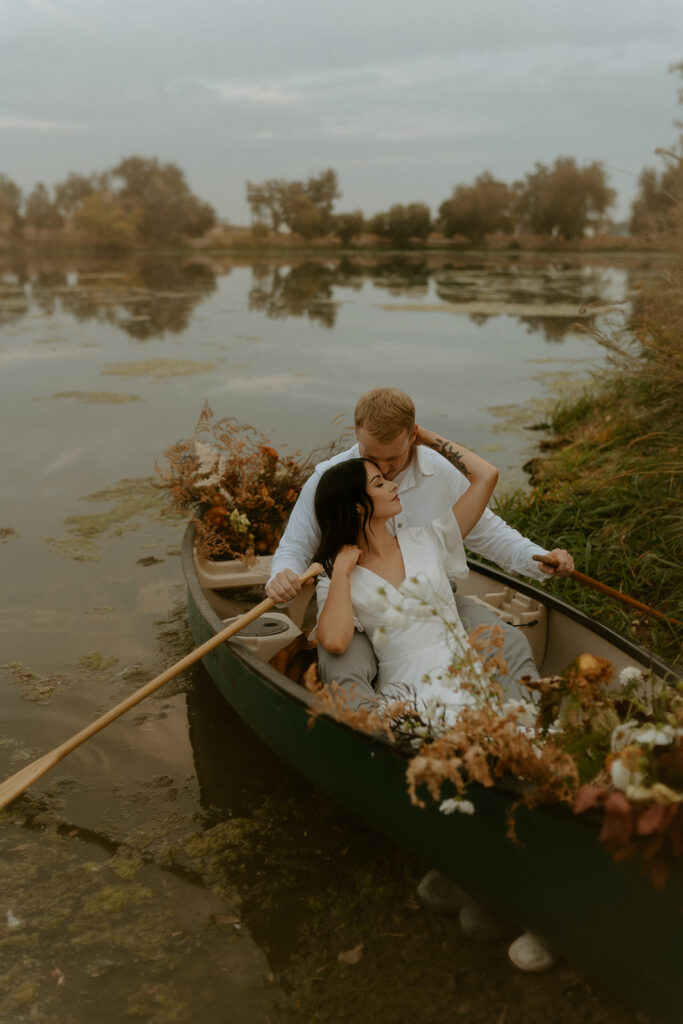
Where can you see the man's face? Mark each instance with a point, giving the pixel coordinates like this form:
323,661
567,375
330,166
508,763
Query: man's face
391,457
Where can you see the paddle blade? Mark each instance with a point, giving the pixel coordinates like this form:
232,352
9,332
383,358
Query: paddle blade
14,786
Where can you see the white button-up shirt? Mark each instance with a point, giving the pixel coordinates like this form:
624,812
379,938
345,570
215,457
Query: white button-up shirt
428,487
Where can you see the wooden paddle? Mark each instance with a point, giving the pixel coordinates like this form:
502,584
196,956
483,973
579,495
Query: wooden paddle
32,772
604,589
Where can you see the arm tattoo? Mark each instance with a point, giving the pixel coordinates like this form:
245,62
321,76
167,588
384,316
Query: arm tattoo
450,453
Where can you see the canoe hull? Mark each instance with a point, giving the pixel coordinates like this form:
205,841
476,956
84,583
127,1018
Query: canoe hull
605,918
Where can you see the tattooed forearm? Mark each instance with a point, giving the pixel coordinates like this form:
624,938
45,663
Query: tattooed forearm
449,452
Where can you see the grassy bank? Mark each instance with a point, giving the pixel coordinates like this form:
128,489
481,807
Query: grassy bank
610,488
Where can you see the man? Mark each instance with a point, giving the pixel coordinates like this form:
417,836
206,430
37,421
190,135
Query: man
423,464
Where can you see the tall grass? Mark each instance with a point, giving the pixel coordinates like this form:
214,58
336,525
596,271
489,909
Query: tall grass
610,492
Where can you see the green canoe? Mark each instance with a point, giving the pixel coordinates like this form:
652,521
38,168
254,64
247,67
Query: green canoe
557,881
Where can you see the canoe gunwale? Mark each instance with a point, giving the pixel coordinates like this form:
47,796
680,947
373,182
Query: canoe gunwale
277,681
551,601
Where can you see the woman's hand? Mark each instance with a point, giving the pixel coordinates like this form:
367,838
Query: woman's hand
335,625
347,558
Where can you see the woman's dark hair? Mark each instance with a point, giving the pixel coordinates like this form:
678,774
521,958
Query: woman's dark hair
342,507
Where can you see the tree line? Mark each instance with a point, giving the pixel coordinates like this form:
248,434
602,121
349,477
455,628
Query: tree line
144,201
140,201
559,201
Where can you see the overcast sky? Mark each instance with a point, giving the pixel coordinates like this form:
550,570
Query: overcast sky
404,98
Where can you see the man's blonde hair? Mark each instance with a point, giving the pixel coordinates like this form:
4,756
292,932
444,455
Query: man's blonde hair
385,413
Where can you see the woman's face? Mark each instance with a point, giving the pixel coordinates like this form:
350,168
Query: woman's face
383,493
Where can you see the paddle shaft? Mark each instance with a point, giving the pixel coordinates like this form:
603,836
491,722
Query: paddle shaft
604,589
15,785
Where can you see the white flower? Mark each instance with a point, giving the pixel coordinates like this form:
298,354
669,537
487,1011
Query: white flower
524,710
378,602
414,608
456,804
659,735
380,638
630,675
622,735
623,777
394,618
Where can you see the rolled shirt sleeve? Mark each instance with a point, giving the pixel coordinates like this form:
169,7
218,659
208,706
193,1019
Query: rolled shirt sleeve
302,534
446,533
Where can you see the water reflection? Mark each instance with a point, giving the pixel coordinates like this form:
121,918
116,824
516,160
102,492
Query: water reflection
305,290
149,297
146,299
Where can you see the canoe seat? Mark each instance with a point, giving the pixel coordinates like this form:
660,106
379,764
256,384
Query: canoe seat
266,635
522,611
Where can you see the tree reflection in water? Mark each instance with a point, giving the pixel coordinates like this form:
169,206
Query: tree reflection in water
147,298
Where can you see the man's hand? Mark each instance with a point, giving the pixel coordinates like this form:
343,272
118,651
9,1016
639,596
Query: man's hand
284,587
563,563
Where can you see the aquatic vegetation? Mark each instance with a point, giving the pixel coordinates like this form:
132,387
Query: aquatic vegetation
35,687
95,661
133,500
238,487
159,369
99,397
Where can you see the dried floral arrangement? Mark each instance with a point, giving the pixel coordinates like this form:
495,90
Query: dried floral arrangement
590,738
237,487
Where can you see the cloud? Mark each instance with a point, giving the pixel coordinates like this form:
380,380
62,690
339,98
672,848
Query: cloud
479,67
32,124
265,93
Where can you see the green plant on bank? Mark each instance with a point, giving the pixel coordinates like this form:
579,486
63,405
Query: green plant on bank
610,492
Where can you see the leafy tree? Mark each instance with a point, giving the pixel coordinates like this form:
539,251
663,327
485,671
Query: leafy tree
400,224
563,200
168,211
322,191
108,220
10,204
658,205
41,211
305,207
477,210
266,199
71,192
348,225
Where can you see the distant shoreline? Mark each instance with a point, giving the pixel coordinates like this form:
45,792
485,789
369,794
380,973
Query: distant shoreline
243,242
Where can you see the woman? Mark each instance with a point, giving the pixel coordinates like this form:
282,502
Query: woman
396,587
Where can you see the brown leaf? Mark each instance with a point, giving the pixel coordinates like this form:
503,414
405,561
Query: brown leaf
616,803
587,796
351,956
616,829
652,819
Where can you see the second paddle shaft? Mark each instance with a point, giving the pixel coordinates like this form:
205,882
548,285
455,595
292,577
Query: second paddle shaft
604,589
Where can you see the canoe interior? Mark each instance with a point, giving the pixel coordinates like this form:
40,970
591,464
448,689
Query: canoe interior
606,918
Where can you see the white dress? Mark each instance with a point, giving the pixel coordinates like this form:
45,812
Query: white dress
415,629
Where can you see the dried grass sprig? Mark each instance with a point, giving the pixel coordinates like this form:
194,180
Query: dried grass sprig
238,488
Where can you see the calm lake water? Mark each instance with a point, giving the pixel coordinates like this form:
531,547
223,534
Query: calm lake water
171,869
